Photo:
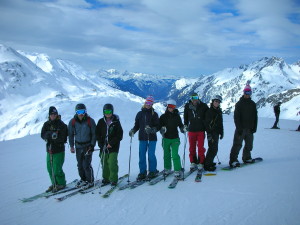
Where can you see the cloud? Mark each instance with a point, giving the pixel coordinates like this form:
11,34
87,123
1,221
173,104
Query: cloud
165,37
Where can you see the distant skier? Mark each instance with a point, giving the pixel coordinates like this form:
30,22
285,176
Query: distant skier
109,134
245,119
298,114
55,132
147,123
277,113
82,135
214,129
194,114
169,123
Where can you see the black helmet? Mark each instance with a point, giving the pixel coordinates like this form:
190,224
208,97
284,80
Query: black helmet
80,106
108,106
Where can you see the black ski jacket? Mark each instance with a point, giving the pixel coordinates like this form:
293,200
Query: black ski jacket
55,133
214,121
171,121
143,118
112,134
277,109
194,116
245,115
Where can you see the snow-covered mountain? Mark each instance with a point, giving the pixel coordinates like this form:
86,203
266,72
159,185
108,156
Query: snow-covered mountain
272,80
140,84
28,88
31,83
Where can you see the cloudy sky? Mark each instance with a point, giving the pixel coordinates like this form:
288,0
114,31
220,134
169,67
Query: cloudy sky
167,37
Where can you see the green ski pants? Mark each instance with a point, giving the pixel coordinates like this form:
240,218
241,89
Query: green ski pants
57,161
110,166
171,147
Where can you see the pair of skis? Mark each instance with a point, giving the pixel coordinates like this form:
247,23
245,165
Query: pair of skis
136,183
256,160
96,186
69,187
186,174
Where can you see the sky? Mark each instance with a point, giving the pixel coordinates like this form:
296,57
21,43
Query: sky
167,37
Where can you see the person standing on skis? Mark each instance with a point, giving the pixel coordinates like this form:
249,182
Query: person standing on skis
169,123
245,119
147,123
214,129
82,138
109,134
194,115
277,113
55,133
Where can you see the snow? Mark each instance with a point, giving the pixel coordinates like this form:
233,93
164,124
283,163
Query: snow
265,193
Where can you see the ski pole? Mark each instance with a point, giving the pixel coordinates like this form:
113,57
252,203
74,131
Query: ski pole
185,141
129,159
102,164
218,160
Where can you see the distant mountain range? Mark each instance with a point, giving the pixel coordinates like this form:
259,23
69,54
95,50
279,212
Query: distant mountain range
30,83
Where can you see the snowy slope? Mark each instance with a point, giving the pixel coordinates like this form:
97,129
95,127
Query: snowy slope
266,193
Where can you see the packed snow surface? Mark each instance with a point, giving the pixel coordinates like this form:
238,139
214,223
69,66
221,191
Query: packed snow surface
264,193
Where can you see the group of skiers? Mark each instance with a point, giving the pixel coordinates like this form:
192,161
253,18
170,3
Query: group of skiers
83,134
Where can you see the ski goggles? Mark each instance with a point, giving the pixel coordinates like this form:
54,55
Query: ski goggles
107,111
80,111
248,92
194,97
171,106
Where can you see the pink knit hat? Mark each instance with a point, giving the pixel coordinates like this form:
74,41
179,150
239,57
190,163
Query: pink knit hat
149,100
247,90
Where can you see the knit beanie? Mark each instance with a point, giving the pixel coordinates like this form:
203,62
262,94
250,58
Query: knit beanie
247,88
52,110
149,100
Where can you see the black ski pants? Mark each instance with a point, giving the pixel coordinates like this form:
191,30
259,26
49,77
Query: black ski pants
276,119
84,165
238,139
212,150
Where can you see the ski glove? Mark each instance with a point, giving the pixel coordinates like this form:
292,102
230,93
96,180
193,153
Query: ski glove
221,136
253,131
48,135
150,130
209,137
163,130
185,129
131,133
54,135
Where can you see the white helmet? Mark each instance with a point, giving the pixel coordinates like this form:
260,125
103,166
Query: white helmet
217,97
171,102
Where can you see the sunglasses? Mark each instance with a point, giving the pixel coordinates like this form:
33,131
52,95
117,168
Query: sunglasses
218,101
107,111
80,111
194,97
248,92
171,106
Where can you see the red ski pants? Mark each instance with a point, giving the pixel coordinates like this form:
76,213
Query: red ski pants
197,139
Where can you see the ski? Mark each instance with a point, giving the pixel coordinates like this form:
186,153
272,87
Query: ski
173,183
209,173
229,168
113,188
77,191
199,175
160,178
70,186
175,180
137,183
